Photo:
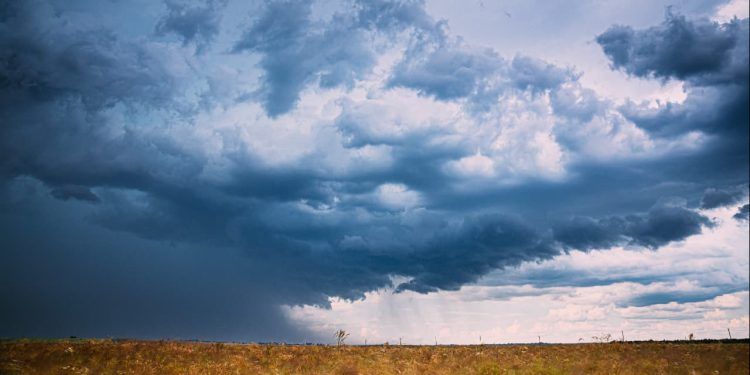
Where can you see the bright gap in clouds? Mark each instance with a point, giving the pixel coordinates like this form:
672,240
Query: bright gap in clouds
733,9
699,286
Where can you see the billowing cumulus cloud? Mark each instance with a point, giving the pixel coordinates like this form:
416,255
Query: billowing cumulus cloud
447,69
711,58
318,150
702,52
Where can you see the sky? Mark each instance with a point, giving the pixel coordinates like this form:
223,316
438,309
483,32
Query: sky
424,171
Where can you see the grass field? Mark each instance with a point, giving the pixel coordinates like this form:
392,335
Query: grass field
171,357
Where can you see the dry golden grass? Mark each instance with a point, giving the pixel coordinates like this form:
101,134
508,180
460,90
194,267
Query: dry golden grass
169,357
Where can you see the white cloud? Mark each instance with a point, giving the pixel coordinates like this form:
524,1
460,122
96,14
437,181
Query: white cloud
732,9
397,196
476,165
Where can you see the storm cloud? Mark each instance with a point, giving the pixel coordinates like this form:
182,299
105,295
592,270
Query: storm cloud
326,152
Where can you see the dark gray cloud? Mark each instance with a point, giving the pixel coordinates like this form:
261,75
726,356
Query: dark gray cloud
44,59
701,51
661,225
480,245
712,58
674,119
585,233
66,192
61,83
192,23
743,213
713,198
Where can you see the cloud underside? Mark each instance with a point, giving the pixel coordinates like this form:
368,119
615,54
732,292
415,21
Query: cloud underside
456,161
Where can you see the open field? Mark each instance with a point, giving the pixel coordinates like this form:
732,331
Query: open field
173,357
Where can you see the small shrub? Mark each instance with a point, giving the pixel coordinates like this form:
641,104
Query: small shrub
340,336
